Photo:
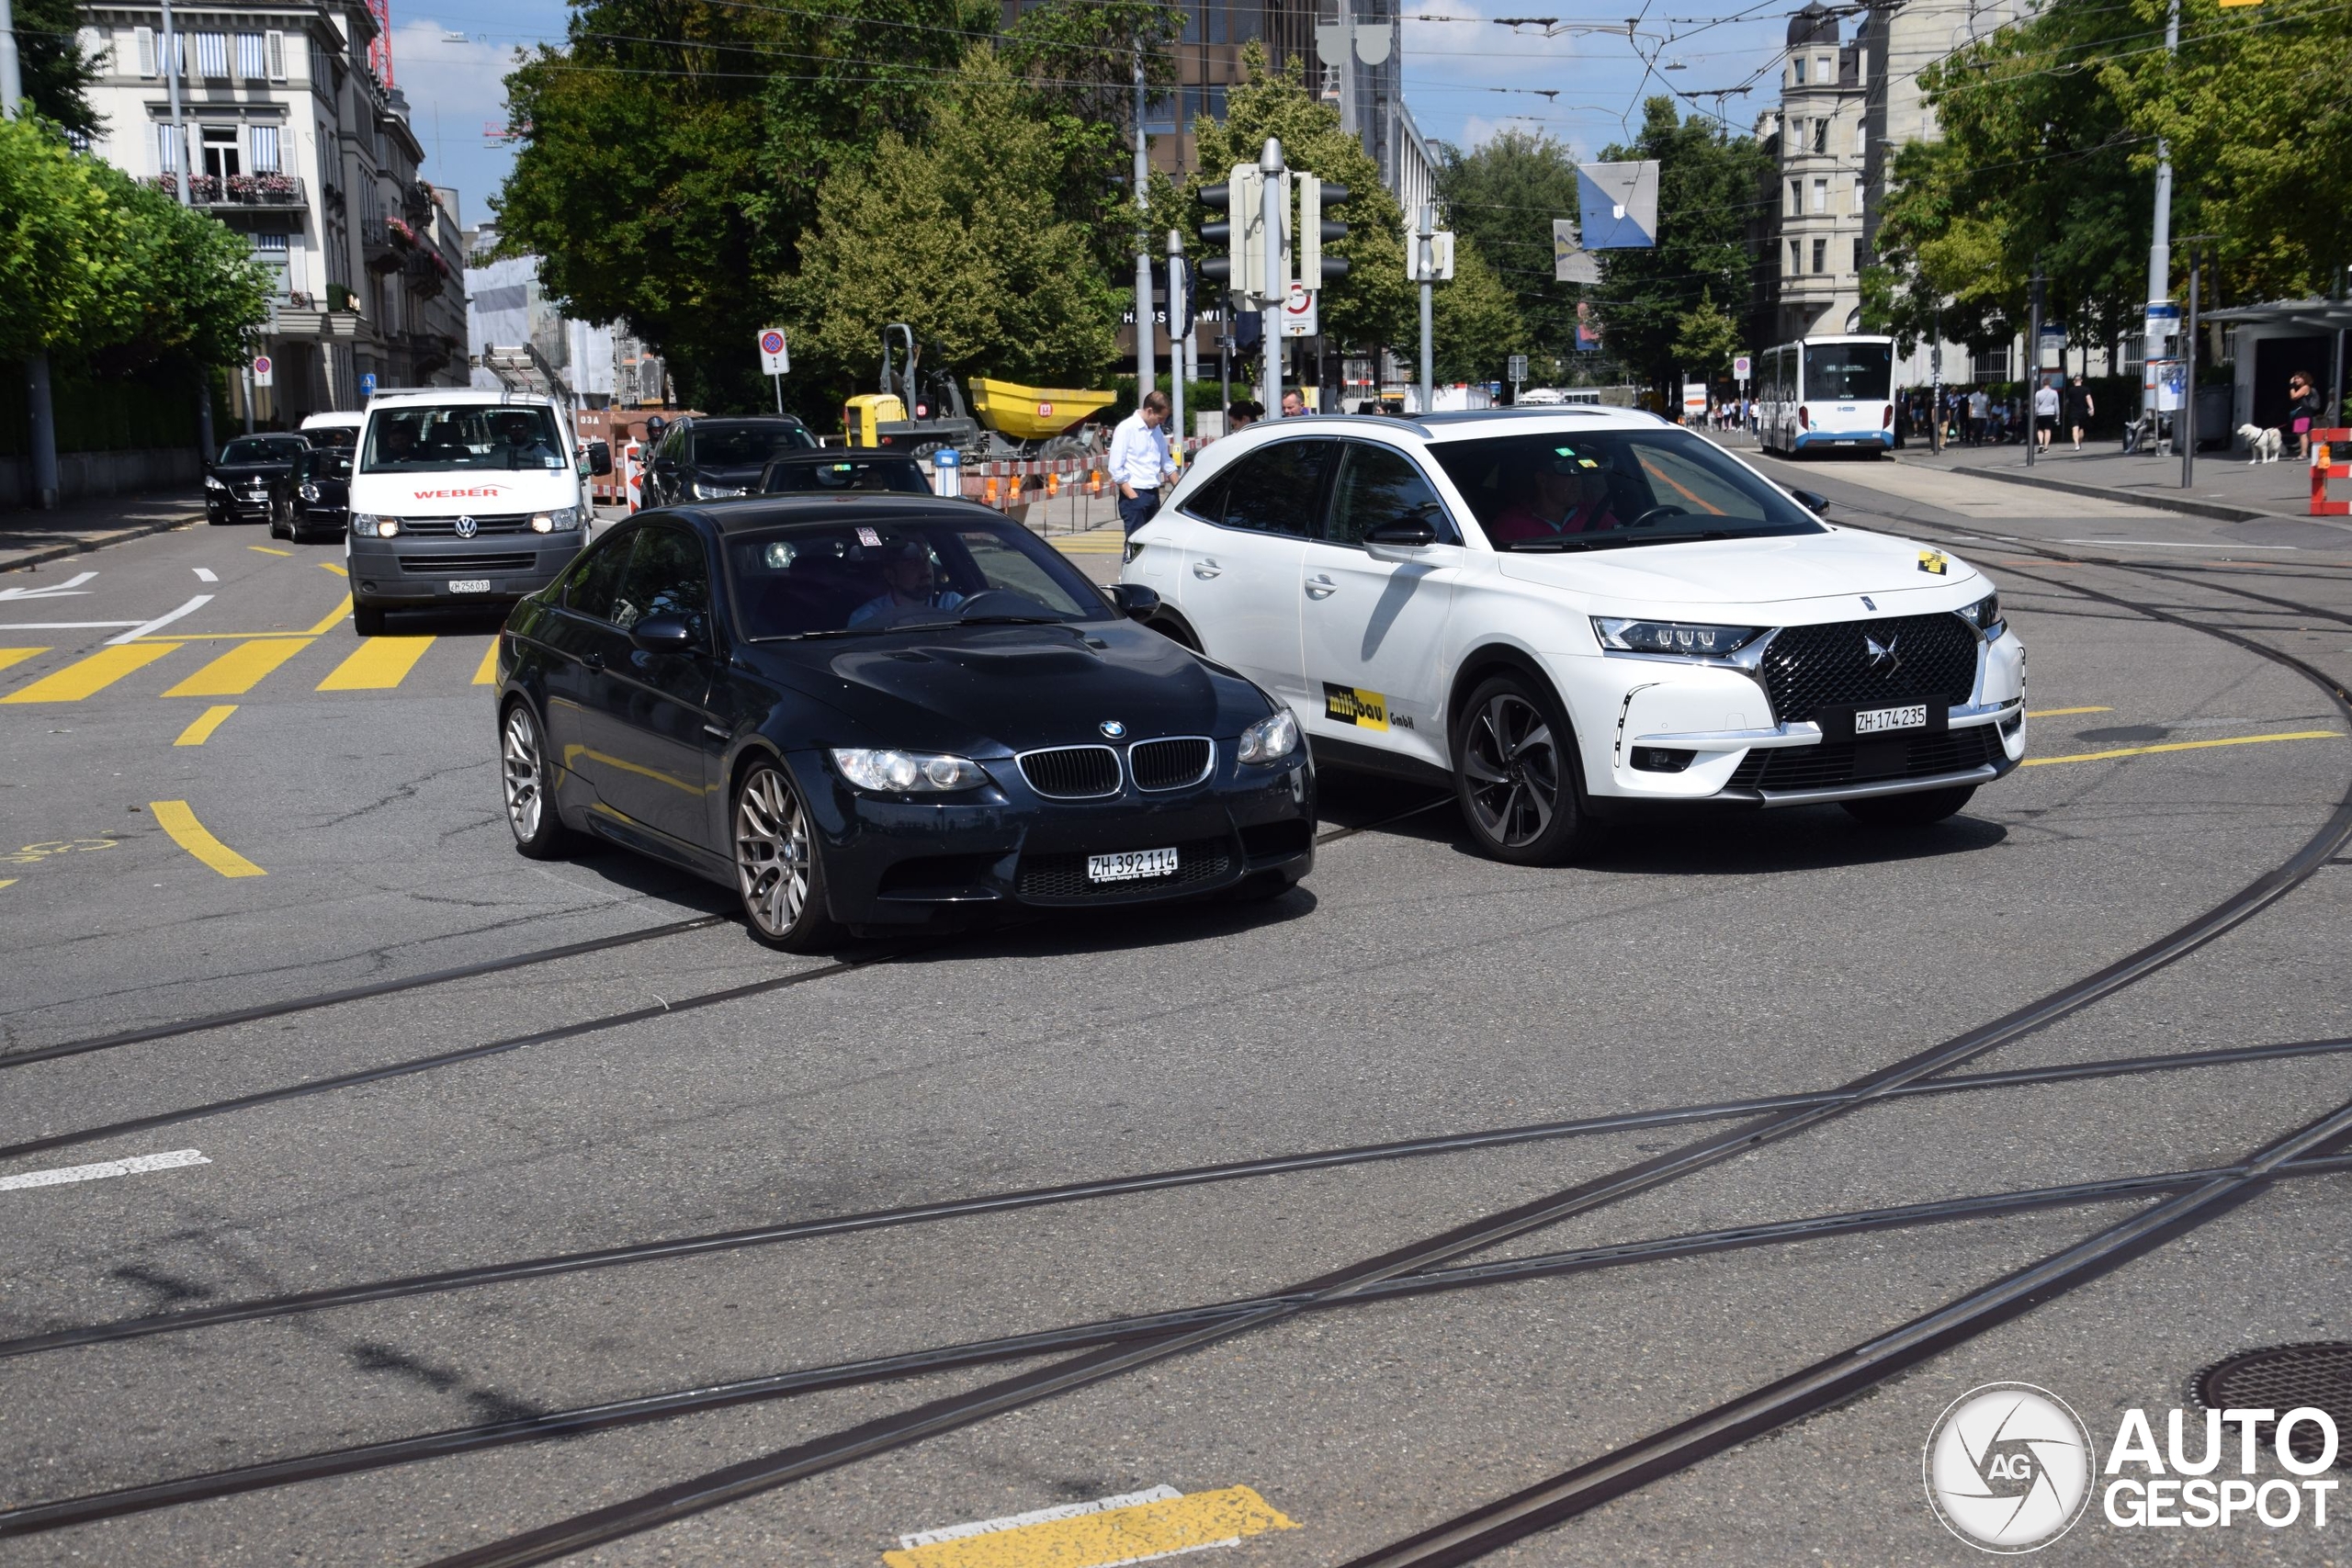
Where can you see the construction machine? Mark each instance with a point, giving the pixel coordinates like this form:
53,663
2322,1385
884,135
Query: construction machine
919,413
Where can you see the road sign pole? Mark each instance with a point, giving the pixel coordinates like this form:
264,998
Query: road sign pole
1425,264
1269,164
779,392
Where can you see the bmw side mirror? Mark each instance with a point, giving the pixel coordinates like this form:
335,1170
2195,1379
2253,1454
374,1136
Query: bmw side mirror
661,634
1134,600
1816,504
1408,532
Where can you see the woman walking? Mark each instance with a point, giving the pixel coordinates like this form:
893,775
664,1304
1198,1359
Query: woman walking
2079,409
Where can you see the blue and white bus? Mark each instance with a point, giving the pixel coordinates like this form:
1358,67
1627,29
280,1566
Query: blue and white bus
1827,394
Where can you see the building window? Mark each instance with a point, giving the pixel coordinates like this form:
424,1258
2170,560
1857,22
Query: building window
1160,113
1796,197
1821,136
1862,139
1820,196
212,56
220,159
1861,254
1247,21
97,47
264,138
270,250
167,150
1796,257
275,54
1204,103
1861,195
1821,70
1820,255
148,58
253,64
1798,66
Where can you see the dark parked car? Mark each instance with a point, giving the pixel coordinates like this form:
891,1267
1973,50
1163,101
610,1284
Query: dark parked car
250,480
885,711
318,504
712,459
832,472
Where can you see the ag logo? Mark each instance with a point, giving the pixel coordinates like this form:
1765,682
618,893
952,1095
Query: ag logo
466,527
2009,1467
1934,562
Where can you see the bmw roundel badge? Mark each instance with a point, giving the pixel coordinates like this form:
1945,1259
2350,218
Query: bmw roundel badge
1112,727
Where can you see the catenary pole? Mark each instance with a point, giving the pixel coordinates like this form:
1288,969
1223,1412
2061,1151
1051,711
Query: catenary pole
2160,246
2033,370
2185,421
1269,164
1145,379
1425,264
1178,285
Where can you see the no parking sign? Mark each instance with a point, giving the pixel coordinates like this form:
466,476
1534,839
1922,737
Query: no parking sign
261,369
774,359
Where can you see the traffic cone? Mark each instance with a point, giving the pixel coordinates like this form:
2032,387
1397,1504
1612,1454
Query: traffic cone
988,493
1053,486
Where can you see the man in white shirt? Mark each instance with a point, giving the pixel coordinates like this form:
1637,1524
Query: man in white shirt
1139,460
1980,403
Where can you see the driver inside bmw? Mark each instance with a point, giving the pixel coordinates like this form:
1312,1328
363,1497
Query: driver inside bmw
907,569
1568,493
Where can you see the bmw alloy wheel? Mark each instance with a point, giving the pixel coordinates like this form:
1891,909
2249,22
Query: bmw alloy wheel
775,864
539,829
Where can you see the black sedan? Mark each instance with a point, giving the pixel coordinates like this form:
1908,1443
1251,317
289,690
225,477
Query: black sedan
252,478
318,505
842,470
886,711
712,459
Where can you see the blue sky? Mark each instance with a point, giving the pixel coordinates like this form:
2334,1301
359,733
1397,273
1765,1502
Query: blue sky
1465,77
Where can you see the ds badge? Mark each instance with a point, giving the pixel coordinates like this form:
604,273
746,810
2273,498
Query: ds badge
2009,1467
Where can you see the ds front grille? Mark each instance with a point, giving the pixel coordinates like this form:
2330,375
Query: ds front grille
1072,773
1809,668
1198,864
466,565
1171,764
1847,761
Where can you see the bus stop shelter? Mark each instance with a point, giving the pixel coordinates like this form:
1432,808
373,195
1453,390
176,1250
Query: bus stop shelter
2276,340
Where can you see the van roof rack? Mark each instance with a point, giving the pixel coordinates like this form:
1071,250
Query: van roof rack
521,368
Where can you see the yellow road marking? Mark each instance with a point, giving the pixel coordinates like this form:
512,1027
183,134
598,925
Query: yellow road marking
2185,746
1091,545
9,882
97,673
18,655
2060,713
200,732
218,636
332,621
486,673
267,551
240,670
330,566
379,664
1114,1535
191,835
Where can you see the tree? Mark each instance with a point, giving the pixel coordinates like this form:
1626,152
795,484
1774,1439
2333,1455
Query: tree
55,227
1502,198
1707,184
954,233
1475,323
55,72
1706,338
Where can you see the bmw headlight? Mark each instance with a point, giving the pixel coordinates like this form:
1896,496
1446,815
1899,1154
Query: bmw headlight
1984,614
556,521
907,773
366,525
212,481
1271,739
1691,638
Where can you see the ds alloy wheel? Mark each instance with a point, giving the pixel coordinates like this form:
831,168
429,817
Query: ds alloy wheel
1914,810
1514,772
531,811
778,871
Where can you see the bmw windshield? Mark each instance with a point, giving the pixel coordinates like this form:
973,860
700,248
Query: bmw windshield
1613,488
853,579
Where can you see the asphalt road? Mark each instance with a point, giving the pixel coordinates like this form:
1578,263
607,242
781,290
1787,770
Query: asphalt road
1408,990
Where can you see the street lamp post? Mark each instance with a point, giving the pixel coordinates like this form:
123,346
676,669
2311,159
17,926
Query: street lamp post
1269,164
1144,376
1425,264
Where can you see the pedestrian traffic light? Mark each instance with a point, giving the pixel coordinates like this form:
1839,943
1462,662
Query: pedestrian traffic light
1242,234
1315,230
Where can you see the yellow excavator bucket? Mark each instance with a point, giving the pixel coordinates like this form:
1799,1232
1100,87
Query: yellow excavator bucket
1031,414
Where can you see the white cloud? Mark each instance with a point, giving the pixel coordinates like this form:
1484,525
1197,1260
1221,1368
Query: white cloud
456,85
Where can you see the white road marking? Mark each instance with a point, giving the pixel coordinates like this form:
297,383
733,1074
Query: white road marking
1163,1493
61,625
205,574
56,590
2169,545
134,1165
135,633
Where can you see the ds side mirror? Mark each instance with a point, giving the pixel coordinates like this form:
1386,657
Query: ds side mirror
1408,532
1134,600
1815,503
661,634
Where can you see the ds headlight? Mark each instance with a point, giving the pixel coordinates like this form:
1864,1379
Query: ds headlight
366,525
907,773
556,521
1271,739
1691,639
1984,614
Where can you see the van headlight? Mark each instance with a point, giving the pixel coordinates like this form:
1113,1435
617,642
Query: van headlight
1271,739
1693,639
368,525
1984,615
556,521
907,773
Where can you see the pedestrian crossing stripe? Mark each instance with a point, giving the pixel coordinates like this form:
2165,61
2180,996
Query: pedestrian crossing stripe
379,664
1104,542
240,670
18,655
95,673
486,673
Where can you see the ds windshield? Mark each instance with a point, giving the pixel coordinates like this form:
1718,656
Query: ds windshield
417,438
740,445
1848,372
1613,488
834,579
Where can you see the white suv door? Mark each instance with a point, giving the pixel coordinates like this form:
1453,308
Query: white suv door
1244,539
1373,627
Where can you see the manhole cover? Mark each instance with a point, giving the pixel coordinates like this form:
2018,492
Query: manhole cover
2284,1378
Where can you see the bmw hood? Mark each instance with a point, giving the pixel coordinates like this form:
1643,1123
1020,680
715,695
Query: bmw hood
1774,569
988,691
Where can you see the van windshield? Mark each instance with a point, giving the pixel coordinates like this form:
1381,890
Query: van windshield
426,437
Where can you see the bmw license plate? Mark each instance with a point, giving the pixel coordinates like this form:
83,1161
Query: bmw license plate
1131,865
1874,721
473,585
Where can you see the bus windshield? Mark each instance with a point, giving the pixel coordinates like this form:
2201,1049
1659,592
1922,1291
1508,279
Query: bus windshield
1848,372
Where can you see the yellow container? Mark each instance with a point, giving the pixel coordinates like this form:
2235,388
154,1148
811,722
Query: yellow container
1033,414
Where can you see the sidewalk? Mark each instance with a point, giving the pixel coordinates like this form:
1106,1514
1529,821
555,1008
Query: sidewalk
28,538
2227,486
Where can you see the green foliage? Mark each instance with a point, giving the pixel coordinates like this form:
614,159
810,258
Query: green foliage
1076,59
1707,184
954,233
55,73
1372,305
1475,324
1502,198
55,227
1706,338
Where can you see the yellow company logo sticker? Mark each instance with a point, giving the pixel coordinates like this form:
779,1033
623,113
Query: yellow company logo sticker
1933,560
1353,705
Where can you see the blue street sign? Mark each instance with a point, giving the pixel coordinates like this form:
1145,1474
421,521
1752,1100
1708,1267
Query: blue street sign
368,385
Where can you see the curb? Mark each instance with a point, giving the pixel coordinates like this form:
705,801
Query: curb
2212,509
59,552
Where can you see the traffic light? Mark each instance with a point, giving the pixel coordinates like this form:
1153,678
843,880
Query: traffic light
1315,268
1242,270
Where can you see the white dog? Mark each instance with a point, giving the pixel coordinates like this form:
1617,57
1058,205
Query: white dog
2261,446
